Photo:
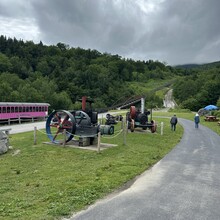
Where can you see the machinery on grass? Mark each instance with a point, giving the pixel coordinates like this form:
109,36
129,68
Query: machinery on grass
82,123
112,120
139,119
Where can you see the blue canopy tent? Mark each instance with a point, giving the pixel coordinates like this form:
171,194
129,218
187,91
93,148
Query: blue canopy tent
210,107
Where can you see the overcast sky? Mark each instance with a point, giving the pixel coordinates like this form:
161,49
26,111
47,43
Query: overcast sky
171,31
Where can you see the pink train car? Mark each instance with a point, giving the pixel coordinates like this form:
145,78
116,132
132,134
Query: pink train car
18,110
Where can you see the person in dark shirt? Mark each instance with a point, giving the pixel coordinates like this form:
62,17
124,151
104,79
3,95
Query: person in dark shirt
173,122
196,120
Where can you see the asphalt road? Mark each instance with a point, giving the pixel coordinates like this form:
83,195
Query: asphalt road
185,184
24,127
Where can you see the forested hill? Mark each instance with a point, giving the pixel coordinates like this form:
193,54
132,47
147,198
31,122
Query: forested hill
199,86
60,75
199,66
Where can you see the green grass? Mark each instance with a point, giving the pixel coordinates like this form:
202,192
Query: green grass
49,182
190,116
150,85
161,93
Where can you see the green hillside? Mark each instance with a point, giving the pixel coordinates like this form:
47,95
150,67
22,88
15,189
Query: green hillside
60,75
198,86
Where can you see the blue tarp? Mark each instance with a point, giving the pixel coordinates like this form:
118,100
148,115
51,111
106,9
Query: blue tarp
211,107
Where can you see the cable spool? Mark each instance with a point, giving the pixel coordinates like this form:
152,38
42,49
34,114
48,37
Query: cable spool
107,129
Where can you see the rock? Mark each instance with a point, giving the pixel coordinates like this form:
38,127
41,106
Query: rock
3,143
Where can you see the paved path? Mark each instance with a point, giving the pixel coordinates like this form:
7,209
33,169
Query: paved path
184,185
24,127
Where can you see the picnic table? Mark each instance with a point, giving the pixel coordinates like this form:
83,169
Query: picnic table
211,118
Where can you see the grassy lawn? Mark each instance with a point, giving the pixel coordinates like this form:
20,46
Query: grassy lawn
190,116
50,182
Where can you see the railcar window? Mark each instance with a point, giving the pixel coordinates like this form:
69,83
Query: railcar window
4,109
39,108
0,109
8,110
16,109
27,109
30,109
34,108
20,109
12,109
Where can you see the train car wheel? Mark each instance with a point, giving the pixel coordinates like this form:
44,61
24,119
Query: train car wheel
132,125
154,127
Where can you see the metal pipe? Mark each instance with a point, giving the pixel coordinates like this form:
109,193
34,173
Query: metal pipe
84,103
142,105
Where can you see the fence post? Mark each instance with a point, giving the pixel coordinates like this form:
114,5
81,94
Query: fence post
122,123
124,132
35,135
64,137
99,142
161,128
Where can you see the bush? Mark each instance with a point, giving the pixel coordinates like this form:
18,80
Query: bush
216,113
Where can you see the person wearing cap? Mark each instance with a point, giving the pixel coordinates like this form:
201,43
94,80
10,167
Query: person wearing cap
196,120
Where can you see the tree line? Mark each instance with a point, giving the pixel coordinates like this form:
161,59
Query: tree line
60,75
198,87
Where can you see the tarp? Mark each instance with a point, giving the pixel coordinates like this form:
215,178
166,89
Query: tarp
211,107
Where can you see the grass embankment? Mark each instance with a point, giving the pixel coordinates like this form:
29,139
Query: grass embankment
158,86
47,182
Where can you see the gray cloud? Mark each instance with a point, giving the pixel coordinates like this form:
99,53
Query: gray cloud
173,31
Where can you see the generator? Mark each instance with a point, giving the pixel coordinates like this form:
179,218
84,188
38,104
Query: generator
139,119
82,123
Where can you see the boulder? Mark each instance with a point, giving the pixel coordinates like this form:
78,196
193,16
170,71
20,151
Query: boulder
3,143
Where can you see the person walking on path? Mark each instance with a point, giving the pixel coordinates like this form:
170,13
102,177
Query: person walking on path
173,122
196,120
